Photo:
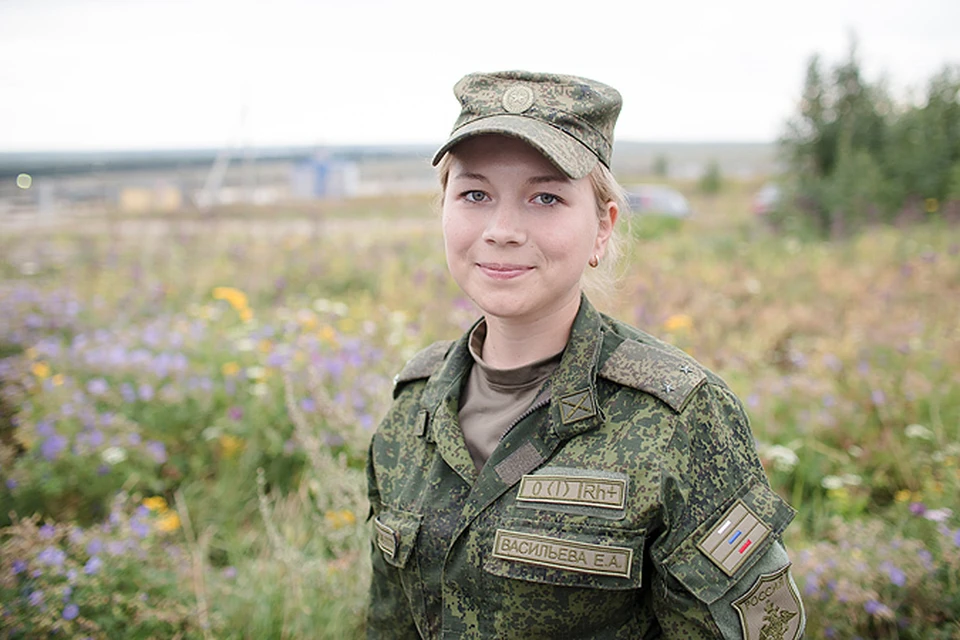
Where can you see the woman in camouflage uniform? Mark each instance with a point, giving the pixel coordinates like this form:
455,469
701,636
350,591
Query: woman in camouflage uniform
555,473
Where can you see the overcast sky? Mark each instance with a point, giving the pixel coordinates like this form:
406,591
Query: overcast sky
132,74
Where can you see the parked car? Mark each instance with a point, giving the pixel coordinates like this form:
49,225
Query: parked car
766,199
657,199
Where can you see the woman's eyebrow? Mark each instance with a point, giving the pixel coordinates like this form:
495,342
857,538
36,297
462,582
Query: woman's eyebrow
468,175
547,179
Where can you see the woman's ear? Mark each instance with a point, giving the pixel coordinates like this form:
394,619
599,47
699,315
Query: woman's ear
605,228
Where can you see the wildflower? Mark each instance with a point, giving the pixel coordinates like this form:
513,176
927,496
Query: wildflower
168,522
231,445
229,573
255,373
97,387
139,528
93,565
878,397
113,455
328,335
918,432
230,369
53,446
51,556
340,518
678,322
155,503
41,370
36,598
918,508
938,515
19,566
308,405
145,392
902,496
235,413
236,298
94,547
70,611
932,205
47,531
833,483
57,380
157,451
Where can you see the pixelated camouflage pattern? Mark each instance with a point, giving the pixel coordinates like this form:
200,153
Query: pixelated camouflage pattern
570,120
684,469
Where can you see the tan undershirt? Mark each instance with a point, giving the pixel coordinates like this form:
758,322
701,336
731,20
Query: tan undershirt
494,398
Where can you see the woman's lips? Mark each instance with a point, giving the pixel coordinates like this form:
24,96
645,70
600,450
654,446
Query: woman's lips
499,271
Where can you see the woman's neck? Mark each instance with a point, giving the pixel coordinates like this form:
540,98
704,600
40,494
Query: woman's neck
512,343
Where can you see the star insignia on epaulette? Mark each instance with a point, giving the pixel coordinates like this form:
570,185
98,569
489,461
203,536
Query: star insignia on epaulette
577,406
686,369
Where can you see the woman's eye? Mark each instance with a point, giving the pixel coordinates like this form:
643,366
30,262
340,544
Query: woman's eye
546,198
475,196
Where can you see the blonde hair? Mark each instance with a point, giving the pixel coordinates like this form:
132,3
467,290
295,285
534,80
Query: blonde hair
601,281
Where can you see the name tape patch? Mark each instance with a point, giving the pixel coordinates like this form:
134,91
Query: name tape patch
386,538
563,554
734,538
607,493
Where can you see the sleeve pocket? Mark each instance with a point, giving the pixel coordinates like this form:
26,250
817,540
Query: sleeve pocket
707,564
395,534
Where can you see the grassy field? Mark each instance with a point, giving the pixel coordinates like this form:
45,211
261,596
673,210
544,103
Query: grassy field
186,405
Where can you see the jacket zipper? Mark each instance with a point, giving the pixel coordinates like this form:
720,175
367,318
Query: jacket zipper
536,406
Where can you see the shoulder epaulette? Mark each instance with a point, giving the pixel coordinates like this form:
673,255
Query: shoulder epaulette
424,363
669,376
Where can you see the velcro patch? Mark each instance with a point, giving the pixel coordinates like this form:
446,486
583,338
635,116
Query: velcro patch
734,538
563,554
772,608
588,491
386,538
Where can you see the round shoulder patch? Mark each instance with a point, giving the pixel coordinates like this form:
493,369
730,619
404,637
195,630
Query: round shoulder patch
517,98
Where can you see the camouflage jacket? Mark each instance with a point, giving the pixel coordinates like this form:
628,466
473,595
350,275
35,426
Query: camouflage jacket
628,502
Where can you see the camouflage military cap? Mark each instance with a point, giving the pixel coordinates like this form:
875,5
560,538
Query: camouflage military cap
568,119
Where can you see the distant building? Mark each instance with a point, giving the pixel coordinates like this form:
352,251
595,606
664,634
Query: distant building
323,177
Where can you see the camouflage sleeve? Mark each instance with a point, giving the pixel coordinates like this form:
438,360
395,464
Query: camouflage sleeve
388,614
721,570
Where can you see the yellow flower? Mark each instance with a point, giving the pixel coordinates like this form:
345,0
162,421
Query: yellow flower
931,205
230,369
265,346
169,521
678,322
902,496
236,298
57,380
231,445
340,518
245,314
328,334
41,370
155,503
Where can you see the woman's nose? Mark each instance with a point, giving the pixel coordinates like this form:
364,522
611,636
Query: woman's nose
504,226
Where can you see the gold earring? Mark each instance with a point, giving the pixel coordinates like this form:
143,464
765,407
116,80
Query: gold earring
594,261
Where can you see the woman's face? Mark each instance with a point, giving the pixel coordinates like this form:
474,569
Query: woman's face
518,233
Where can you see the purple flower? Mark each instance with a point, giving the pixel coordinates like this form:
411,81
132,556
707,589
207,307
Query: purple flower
53,446
70,611
95,546
872,606
918,508
157,451
93,565
97,387
145,392
235,413
956,538
127,392
19,566
308,405
36,598
47,531
139,528
230,573
878,398
52,556
897,577
11,484
134,439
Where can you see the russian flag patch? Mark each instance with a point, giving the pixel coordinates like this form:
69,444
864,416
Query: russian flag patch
734,538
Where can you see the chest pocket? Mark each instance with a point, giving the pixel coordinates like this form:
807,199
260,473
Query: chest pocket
566,554
396,534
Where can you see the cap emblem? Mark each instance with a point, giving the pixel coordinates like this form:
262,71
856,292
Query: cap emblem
518,98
